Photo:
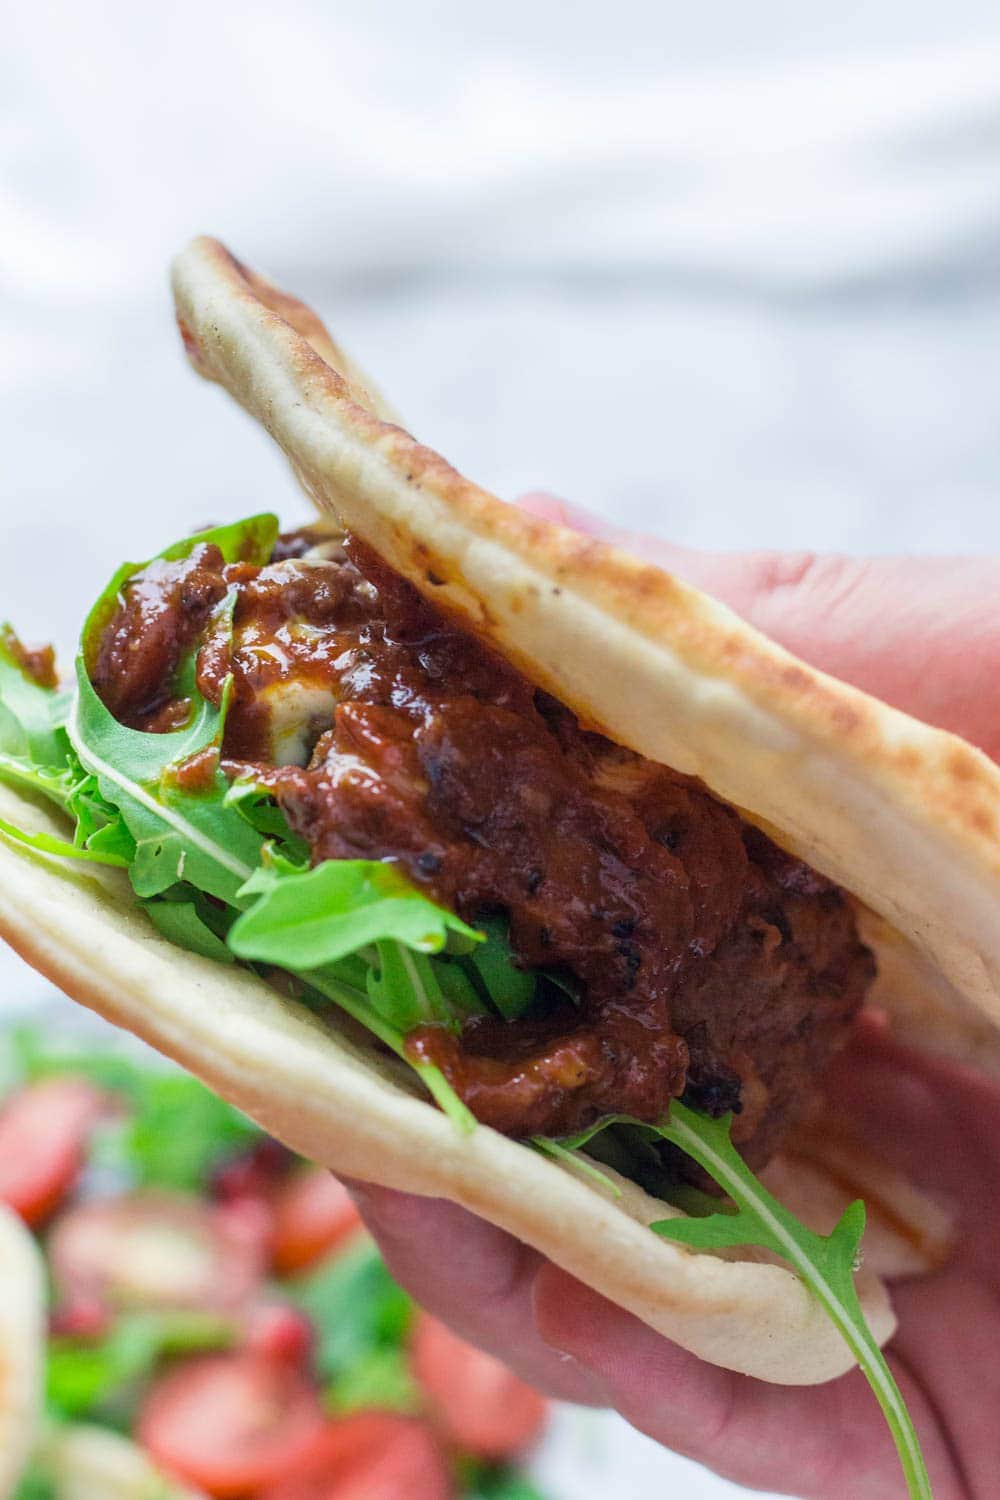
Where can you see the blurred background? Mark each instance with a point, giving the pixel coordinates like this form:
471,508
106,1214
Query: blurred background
726,272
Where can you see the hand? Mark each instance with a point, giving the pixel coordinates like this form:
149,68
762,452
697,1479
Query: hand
922,634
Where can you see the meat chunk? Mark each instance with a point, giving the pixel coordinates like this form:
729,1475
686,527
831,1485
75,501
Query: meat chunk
161,612
709,964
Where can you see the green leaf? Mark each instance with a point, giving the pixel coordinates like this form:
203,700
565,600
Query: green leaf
403,988
44,781
461,995
510,990
256,804
380,1379
160,1154
183,924
34,749
31,716
486,1481
84,1377
356,1307
178,834
48,843
250,540
334,909
825,1263
568,1158
99,824
36,1483
145,1146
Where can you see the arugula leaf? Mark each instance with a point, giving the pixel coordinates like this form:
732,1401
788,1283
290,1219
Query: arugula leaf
462,997
564,1154
178,834
825,1263
35,753
509,989
336,908
44,781
404,989
250,540
256,804
31,716
183,923
330,984
49,843
100,826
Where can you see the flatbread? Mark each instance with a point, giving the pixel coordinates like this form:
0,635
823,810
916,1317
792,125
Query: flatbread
897,812
361,1115
905,816
22,1344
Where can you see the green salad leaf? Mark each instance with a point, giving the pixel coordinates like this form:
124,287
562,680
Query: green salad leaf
825,1263
36,1483
250,540
34,749
183,923
256,804
49,843
31,716
334,909
486,1481
510,990
381,1379
86,1378
179,835
357,1309
403,987
145,1147
36,757
160,1154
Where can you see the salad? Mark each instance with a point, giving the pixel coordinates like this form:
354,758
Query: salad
221,1324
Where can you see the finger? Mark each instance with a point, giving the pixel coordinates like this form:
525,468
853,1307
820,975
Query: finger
948,1333
475,1278
920,633
819,1441
932,1119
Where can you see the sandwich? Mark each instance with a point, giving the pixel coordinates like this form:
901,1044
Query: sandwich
480,859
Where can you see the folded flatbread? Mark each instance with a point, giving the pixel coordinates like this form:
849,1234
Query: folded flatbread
901,815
